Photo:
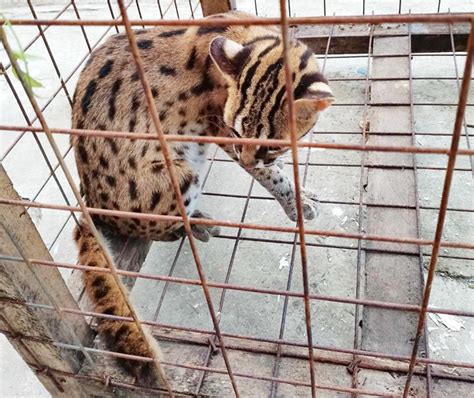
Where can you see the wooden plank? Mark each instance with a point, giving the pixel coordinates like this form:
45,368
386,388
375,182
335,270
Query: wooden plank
391,46
22,282
210,7
390,119
392,187
389,159
391,277
396,92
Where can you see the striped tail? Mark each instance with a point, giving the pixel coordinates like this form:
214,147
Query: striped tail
119,336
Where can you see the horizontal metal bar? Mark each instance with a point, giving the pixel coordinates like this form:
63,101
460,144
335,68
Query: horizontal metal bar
250,289
241,141
217,22
232,224
374,354
207,368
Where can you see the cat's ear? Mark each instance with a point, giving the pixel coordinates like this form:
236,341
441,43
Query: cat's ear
228,55
317,97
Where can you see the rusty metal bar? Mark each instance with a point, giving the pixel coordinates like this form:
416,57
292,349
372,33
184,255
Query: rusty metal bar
226,281
466,130
223,223
76,11
49,101
215,370
294,246
48,50
245,141
426,344
151,106
373,354
357,20
32,41
38,142
299,205
357,316
226,285
444,203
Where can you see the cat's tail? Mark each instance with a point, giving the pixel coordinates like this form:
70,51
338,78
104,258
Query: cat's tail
120,336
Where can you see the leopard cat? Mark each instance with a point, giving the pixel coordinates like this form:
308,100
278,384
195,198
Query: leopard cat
205,81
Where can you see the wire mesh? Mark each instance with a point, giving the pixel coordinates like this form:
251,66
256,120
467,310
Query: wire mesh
298,240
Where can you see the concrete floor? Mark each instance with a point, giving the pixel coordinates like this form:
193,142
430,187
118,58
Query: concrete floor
335,179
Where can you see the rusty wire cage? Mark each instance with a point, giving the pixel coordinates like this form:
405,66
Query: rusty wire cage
272,329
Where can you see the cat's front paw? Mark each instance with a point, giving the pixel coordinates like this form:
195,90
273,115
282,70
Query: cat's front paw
204,232
310,206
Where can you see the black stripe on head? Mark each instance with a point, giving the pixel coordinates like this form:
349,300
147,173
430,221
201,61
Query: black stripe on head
192,59
306,81
305,58
276,105
247,78
272,71
262,38
170,33
211,29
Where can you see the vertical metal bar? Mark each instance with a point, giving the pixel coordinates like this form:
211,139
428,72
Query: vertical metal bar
159,8
113,15
82,205
76,11
429,382
175,183
363,158
439,6
276,365
324,7
191,9
299,207
466,130
50,53
38,142
212,339
399,6
256,8
463,95
176,8
139,12
363,7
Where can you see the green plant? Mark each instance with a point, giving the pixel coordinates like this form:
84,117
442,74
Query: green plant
20,56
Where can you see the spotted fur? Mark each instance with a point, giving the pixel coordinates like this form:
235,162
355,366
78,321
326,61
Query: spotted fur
226,81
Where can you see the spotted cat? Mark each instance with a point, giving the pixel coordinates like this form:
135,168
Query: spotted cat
206,81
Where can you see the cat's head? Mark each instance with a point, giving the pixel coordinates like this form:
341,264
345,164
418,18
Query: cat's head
256,105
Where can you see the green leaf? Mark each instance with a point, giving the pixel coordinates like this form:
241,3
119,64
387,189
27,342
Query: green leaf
33,83
20,55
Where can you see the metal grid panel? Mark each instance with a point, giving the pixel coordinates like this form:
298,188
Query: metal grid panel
299,232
